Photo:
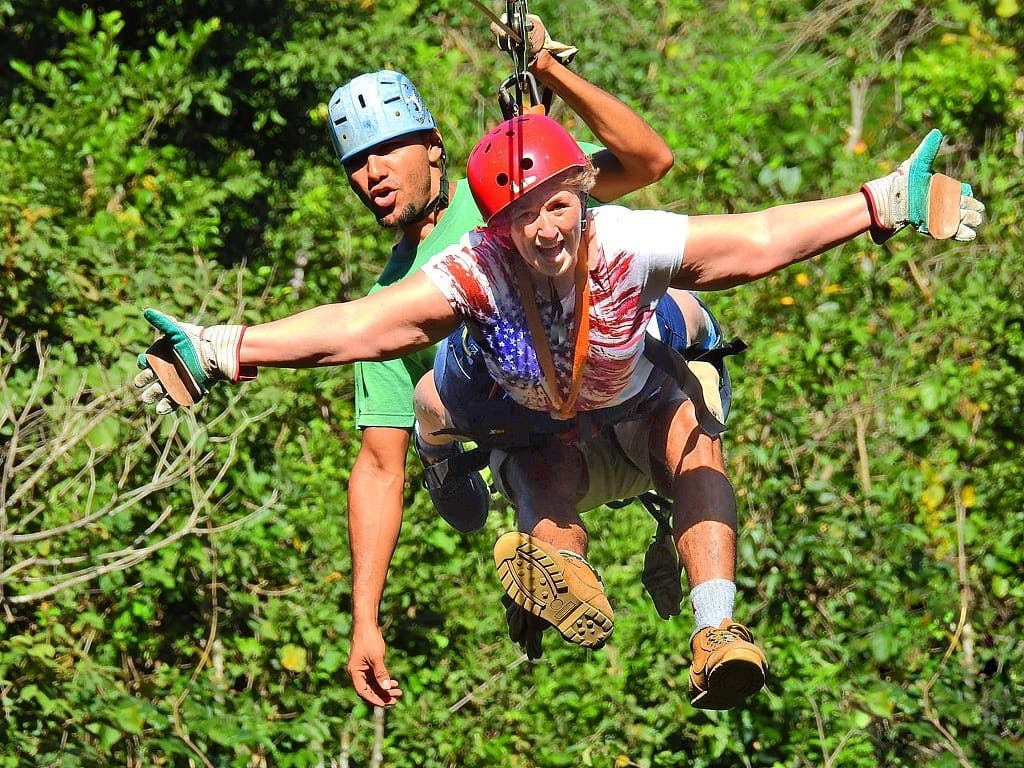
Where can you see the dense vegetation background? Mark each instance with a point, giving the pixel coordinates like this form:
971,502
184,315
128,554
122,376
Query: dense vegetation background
176,592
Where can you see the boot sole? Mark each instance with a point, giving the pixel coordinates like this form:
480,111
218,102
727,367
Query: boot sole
732,681
534,581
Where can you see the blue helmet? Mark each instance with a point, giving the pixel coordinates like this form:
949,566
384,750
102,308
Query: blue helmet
373,108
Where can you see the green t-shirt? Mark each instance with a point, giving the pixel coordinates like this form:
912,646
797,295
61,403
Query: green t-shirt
384,389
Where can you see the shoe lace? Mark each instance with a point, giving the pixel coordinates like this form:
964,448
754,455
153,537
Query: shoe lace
742,632
570,555
727,634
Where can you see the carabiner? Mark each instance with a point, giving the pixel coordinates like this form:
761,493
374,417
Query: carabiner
519,95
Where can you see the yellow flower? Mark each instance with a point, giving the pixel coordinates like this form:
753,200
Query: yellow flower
293,658
967,496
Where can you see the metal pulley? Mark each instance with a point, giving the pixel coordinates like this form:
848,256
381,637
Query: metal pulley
519,93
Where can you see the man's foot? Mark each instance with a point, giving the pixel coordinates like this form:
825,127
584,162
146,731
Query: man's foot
556,585
727,666
460,497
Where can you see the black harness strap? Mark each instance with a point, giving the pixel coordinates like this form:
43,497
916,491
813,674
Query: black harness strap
672,362
718,354
656,505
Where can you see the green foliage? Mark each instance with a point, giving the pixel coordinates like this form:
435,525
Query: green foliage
178,593
970,95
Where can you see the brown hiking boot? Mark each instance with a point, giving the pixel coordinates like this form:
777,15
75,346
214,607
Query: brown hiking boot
558,586
727,666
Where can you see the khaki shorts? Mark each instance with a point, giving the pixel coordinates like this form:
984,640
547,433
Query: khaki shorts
618,461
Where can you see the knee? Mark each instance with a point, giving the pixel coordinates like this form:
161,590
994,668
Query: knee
427,401
700,479
680,447
705,454
693,315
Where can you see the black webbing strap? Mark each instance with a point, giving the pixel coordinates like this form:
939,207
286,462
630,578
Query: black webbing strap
458,465
656,505
716,355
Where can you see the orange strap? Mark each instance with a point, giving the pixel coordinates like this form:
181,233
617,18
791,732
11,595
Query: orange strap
564,407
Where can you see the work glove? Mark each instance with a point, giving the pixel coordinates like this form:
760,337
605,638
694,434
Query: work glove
931,202
524,629
185,363
662,573
540,40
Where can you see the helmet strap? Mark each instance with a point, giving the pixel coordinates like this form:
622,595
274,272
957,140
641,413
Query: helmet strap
441,200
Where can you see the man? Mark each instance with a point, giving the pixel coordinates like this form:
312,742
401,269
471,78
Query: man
395,162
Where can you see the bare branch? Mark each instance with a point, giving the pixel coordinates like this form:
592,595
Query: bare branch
47,547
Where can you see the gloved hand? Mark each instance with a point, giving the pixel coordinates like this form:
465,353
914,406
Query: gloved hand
540,40
524,629
187,361
914,194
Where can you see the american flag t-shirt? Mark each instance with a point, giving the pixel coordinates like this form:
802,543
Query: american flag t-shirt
636,255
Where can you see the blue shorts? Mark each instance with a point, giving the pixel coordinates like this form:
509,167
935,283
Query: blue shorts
483,412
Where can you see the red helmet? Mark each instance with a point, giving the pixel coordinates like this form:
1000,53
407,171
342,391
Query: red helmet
515,157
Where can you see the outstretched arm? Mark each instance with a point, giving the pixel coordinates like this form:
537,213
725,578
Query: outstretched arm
726,250
634,155
410,315
723,251
181,367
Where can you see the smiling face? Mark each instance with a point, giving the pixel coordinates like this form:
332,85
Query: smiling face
397,179
544,226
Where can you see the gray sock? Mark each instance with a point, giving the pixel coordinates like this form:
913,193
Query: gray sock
712,602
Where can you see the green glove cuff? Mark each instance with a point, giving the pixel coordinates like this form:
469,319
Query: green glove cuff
186,339
919,176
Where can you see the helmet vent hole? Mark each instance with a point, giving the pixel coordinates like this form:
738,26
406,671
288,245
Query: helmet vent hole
362,101
526,163
502,179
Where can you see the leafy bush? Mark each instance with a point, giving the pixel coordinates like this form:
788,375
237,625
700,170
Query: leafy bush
177,592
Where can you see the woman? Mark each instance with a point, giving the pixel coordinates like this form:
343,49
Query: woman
559,300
